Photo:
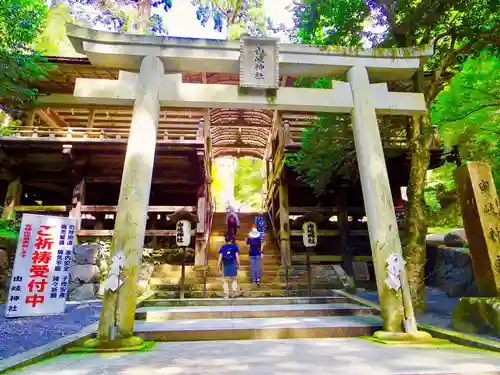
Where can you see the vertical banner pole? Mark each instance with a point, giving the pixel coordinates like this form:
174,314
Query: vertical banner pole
310,239
183,272
309,276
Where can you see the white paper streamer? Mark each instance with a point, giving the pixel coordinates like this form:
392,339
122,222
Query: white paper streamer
395,264
113,281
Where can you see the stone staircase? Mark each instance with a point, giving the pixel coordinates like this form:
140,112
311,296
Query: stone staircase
254,318
166,278
263,313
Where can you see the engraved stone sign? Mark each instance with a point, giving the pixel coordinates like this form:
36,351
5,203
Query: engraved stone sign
259,63
481,215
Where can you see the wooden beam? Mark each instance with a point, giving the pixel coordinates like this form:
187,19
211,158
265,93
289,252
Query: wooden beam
322,233
332,233
42,208
30,117
55,116
91,118
44,116
182,183
329,210
77,200
12,199
30,139
109,233
162,209
284,223
330,258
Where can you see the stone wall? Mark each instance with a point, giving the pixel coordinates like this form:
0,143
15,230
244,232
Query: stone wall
90,267
7,255
450,269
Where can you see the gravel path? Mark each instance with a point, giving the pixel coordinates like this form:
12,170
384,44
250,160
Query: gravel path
18,335
439,309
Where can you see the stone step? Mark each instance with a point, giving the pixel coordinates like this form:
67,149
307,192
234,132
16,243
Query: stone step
258,328
257,293
244,301
243,272
217,285
243,282
252,311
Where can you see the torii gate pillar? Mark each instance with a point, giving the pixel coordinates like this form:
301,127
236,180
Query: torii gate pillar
118,308
382,225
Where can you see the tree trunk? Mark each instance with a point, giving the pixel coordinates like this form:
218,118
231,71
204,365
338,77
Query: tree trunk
415,250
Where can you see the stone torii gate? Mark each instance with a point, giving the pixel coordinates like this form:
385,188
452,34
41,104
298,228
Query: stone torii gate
260,62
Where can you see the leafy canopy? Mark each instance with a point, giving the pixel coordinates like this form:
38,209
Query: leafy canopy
467,112
457,29
119,15
20,23
249,182
240,16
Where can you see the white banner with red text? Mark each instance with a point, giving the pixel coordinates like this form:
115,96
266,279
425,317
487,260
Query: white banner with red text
40,278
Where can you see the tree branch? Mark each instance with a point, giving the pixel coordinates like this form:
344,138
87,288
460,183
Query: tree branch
237,7
468,113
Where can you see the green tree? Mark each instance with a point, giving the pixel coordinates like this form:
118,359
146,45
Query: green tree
456,29
53,41
467,112
134,16
240,16
21,21
248,182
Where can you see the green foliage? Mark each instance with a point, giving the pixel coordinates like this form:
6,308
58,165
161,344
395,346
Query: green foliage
9,125
442,206
249,182
467,112
327,149
53,40
217,187
457,29
331,22
9,229
21,21
240,16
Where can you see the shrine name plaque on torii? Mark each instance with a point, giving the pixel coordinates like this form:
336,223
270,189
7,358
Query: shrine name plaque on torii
260,62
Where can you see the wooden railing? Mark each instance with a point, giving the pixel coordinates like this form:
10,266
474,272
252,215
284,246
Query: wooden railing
300,258
64,210
103,209
84,133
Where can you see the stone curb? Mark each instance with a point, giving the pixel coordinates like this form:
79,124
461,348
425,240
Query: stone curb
46,351
56,347
441,333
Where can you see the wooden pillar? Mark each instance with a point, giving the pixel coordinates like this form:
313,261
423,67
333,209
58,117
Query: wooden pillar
30,117
199,251
481,215
153,219
118,308
284,223
343,223
12,199
200,248
77,200
91,118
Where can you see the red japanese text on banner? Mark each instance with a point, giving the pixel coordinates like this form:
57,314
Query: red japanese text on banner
40,277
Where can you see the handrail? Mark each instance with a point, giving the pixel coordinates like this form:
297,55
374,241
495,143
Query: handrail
283,257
